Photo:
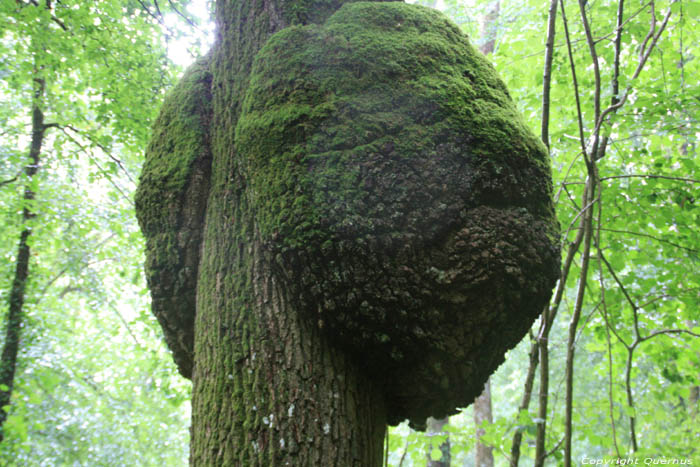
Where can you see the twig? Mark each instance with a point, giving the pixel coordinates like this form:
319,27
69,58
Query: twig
575,81
104,149
664,177
13,179
660,240
189,21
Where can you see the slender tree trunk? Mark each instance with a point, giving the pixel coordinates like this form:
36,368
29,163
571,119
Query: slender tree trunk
543,341
489,28
268,387
540,450
525,402
436,426
693,399
8,362
482,413
587,226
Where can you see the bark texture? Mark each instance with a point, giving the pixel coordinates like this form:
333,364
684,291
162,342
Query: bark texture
366,217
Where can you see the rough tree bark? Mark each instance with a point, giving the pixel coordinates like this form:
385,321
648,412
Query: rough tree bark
348,224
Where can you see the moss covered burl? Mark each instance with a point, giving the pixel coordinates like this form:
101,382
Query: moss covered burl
397,192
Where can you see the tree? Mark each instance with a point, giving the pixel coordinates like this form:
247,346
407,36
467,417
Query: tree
482,414
351,201
80,85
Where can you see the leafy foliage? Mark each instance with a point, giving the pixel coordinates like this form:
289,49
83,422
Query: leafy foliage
95,380
641,307
106,67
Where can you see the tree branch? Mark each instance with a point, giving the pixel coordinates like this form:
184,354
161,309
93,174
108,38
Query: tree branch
575,81
11,180
660,240
664,177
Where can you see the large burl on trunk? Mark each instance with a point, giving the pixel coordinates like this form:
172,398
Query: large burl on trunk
348,224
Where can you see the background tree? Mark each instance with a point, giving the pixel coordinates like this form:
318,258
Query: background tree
84,79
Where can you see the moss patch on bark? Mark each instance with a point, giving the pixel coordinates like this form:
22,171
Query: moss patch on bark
170,205
402,196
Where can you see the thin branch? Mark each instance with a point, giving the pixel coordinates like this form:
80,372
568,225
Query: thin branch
587,226
575,81
189,21
555,448
660,240
525,401
126,325
594,59
576,41
610,383
547,74
566,176
403,456
104,149
605,314
60,273
148,10
618,282
664,177
640,65
13,179
668,331
53,18
652,30
581,212
94,160
155,3
630,399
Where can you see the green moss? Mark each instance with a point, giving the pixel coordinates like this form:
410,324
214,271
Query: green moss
327,105
170,204
179,140
405,201
399,196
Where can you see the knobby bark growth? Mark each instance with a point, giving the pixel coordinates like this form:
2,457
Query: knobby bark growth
348,224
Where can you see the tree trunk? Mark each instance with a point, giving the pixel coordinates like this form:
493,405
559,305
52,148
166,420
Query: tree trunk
435,426
482,413
8,362
489,28
326,265
268,388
